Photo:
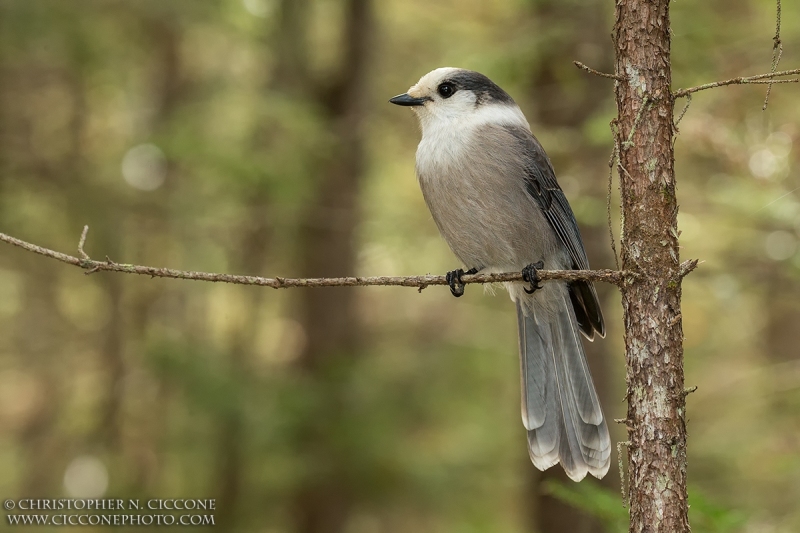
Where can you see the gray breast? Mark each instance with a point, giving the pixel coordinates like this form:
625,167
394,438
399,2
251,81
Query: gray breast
482,209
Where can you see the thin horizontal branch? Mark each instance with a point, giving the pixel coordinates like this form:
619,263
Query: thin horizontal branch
742,80
597,72
91,266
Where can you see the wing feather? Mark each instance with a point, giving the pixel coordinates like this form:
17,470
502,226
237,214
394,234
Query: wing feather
541,184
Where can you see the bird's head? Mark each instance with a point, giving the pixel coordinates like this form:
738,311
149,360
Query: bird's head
456,97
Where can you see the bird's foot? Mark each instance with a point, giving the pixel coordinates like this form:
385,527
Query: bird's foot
454,280
530,274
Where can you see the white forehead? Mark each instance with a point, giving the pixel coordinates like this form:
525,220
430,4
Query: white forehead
431,80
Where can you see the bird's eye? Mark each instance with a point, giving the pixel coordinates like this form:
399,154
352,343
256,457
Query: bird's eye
446,90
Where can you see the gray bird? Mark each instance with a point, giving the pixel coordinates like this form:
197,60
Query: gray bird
493,194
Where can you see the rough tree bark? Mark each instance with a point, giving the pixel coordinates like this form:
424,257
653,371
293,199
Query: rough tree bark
650,299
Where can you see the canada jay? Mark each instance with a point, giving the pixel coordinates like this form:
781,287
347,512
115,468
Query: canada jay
493,195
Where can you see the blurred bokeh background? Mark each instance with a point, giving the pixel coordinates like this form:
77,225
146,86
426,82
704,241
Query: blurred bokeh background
255,137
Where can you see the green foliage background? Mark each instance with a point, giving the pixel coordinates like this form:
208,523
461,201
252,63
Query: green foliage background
146,376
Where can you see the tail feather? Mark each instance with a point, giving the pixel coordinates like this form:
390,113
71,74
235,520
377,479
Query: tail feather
544,434
587,308
560,408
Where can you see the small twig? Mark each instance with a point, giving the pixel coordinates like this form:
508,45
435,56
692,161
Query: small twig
91,266
81,242
687,266
624,170
683,111
626,444
629,141
741,81
777,52
597,72
614,156
687,392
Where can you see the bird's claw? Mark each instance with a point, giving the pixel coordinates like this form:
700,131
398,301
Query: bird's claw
530,274
454,280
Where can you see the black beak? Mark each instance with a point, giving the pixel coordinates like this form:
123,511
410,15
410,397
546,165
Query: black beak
407,100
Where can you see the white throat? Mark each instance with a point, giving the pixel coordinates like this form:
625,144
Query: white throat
445,136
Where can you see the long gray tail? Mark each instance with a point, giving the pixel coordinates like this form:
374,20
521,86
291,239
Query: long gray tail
560,408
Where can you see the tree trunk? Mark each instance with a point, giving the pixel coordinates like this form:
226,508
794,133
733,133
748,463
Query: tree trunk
781,337
153,238
251,256
650,298
37,330
324,499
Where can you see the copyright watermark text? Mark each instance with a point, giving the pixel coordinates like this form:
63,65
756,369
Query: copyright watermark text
110,512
